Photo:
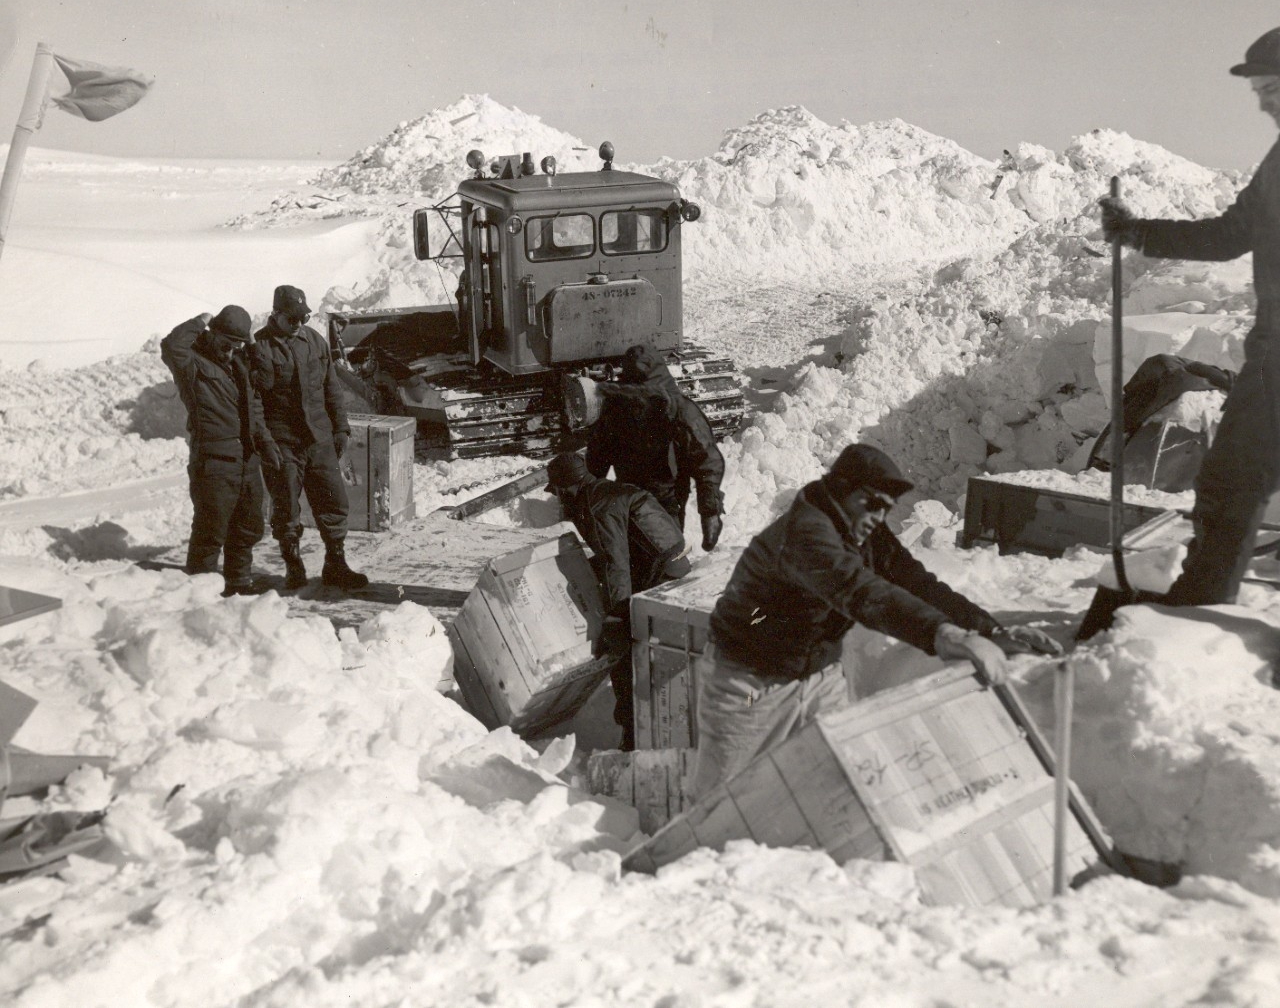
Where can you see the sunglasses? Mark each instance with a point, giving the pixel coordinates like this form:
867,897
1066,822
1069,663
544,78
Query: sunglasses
874,502
297,319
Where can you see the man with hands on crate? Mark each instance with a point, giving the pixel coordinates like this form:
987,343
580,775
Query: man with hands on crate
772,661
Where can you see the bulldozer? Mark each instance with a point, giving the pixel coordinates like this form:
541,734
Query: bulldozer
561,273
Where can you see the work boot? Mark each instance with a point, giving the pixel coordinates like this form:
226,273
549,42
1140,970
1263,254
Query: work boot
243,586
295,572
337,573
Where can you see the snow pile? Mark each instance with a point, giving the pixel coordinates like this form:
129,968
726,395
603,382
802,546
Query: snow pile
98,425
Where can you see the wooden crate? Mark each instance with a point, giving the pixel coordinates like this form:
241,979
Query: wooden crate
524,637
653,781
380,457
668,634
377,471
1025,519
938,773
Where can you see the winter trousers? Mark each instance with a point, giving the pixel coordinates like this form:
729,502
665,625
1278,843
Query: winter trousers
312,469
742,713
1237,475
226,494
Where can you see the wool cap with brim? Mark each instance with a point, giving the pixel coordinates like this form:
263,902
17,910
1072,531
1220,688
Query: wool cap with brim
640,363
232,321
861,465
1262,59
566,470
290,300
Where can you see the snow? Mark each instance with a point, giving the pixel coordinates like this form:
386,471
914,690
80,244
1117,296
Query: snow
299,816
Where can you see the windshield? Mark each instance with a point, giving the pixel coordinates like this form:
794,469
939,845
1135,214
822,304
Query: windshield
568,236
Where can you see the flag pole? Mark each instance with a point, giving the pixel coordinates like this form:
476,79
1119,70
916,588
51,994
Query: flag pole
28,123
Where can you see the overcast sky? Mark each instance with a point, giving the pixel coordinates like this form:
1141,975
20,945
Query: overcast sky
321,79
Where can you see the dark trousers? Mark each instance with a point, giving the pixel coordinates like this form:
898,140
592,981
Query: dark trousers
1237,475
311,469
620,674
226,494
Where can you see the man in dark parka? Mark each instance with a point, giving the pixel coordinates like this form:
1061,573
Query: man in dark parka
772,663
1241,469
656,438
227,434
302,402
636,545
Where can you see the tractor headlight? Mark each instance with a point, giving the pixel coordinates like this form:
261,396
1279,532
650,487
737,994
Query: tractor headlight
514,224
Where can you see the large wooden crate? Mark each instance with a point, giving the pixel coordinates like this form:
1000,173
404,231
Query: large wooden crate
377,471
668,634
936,773
653,781
523,639
1028,519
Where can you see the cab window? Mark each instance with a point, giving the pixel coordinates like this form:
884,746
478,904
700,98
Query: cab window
567,236
626,232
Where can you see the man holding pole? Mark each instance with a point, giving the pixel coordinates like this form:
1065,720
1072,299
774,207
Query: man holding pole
1242,467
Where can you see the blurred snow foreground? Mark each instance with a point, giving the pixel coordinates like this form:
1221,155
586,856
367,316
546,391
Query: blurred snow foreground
298,817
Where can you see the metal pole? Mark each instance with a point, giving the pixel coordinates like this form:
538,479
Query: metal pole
1063,699
1117,411
28,122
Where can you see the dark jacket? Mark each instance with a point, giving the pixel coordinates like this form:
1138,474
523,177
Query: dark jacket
301,391
656,438
804,581
1250,224
629,532
224,412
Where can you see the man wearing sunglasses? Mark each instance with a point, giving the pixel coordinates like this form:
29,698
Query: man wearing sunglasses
772,663
1241,469
302,401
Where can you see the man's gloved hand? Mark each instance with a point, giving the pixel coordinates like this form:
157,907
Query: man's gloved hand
1118,222
271,455
204,318
1026,640
340,443
711,528
615,636
953,643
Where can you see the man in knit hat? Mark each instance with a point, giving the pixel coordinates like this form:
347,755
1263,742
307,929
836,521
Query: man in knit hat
772,661
227,435
636,545
1241,469
656,438
302,400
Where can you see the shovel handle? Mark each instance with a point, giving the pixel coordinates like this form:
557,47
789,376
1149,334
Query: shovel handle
1117,411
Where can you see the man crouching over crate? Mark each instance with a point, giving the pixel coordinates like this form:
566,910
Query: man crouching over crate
772,663
637,545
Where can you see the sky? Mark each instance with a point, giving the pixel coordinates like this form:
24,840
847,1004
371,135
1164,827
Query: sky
322,79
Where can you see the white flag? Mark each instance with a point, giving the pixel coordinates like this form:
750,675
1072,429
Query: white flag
99,92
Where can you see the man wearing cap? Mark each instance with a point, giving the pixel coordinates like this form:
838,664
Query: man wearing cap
636,545
656,438
302,400
772,663
226,431
1242,466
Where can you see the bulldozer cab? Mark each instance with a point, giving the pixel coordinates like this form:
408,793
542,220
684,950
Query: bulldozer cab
562,270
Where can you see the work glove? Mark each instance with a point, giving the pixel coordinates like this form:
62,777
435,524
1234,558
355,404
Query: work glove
953,643
271,455
340,442
204,318
1026,640
1119,223
711,528
615,636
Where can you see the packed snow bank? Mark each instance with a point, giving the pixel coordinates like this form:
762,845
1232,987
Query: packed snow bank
299,817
